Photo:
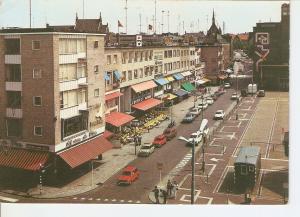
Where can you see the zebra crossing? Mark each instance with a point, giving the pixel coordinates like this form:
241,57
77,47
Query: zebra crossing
181,164
106,200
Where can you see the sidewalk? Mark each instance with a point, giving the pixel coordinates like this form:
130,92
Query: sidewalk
113,161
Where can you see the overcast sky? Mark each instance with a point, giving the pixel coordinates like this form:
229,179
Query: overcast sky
238,16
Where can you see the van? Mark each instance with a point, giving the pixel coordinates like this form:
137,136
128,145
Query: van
204,129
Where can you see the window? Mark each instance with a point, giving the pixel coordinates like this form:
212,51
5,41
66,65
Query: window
108,59
141,73
141,56
13,99
150,55
81,70
130,57
14,127
243,170
74,125
38,130
166,54
81,96
124,76
96,92
96,44
124,57
251,168
13,72
37,101
36,45
136,56
96,69
68,99
135,74
12,46
67,72
37,73
115,61
129,75
146,71
146,56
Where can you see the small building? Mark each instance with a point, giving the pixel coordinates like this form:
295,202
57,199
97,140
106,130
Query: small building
247,167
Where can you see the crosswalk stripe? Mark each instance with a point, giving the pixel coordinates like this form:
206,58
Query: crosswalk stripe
90,198
13,200
129,201
98,199
83,198
113,200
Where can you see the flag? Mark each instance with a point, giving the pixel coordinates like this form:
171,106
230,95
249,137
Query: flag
119,24
150,27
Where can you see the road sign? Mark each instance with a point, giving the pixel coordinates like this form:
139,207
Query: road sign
159,166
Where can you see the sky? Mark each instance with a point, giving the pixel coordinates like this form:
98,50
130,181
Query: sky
238,16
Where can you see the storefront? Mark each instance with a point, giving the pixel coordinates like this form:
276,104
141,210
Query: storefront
169,86
116,120
178,80
112,102
188,76
142,91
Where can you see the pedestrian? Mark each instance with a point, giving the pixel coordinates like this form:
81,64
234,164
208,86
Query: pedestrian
175,188
156,194
165,195
169,187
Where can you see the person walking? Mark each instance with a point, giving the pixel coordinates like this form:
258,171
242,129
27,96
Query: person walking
169,187
165,195
156,194
175,188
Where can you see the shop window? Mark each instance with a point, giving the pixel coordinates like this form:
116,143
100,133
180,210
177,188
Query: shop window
12,46
13,72
73,125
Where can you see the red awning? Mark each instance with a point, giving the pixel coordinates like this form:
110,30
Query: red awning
143,86
23,159
86,151
147,104
113,96
118,119
107,134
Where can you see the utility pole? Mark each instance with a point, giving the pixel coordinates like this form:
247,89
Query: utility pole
162,21
30,13
168,21
126,8
140,15
193,174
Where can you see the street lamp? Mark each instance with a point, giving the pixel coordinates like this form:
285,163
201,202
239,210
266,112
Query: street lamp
193,168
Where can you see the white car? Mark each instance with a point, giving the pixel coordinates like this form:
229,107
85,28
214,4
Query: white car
235,96
195,111
219,115
203,105
195,137
209,100
146,150
227,85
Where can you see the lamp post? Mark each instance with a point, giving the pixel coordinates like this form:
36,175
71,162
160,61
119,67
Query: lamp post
193,168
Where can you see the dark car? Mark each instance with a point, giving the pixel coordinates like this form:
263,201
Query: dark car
261,93
189,118
170,133
214,96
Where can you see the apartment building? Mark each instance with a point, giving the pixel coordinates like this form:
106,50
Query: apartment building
51,98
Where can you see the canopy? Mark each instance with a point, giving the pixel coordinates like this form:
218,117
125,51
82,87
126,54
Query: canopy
113,96
187,73
162,81
143,86
181,92
118,119
147,104
188,86
170,78
178,76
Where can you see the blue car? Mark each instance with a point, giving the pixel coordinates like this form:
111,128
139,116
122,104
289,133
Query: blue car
189,118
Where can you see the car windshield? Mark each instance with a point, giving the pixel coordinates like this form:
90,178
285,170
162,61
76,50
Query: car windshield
219,112
159,138
189,115
145,147
126,173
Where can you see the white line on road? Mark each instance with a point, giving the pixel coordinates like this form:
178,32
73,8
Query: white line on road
98,199
83,198
129,201
12,200
121,201
90,198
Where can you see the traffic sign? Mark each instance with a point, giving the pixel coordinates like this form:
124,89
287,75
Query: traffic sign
159,166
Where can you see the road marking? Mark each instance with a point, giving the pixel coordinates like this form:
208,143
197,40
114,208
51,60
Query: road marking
216,160
138,201
122,201
90,198
225,171
129,201
74,198
98,199
12,200
272,129
106,199
113,200
83,198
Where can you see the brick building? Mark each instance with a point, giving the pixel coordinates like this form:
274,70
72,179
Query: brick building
271,52
52,98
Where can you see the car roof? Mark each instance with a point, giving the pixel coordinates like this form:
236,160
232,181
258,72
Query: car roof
220,111
160,136
129,168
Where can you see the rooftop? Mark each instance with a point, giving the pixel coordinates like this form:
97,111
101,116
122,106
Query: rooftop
248,155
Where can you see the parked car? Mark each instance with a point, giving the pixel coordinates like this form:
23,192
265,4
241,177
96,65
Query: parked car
196,111
204,129
189,118
220,114
214,96
234,96
203,105
129,175
227,85
261,93
159,140
146,150
209,100
195,137
170,133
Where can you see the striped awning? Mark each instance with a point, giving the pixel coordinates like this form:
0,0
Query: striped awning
162,81
118,119
147,104
23,158
143,86
113,96
84,152
187,73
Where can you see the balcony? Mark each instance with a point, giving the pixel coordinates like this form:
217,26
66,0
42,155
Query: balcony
13,86
12,59
72,84
14,113
73,111
71,58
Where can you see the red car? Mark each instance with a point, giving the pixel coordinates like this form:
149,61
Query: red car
160,141
129,175
170,133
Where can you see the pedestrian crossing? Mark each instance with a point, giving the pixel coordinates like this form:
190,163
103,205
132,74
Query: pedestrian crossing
8,199
106,200
181,164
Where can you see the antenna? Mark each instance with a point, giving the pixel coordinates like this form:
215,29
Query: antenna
162,21
198,25
82,9
179,25
140,15
126,8
168,21
30,13
155,17
223,27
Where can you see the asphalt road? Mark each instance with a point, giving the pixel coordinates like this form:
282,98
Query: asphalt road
170,154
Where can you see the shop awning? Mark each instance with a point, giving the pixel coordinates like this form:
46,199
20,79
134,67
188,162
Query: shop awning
187,73
147,104
118,119
169,96
113,96
178,76
202,81
23,159
118,75
181,93
188,86
162,81
170,78
143,86
86,151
